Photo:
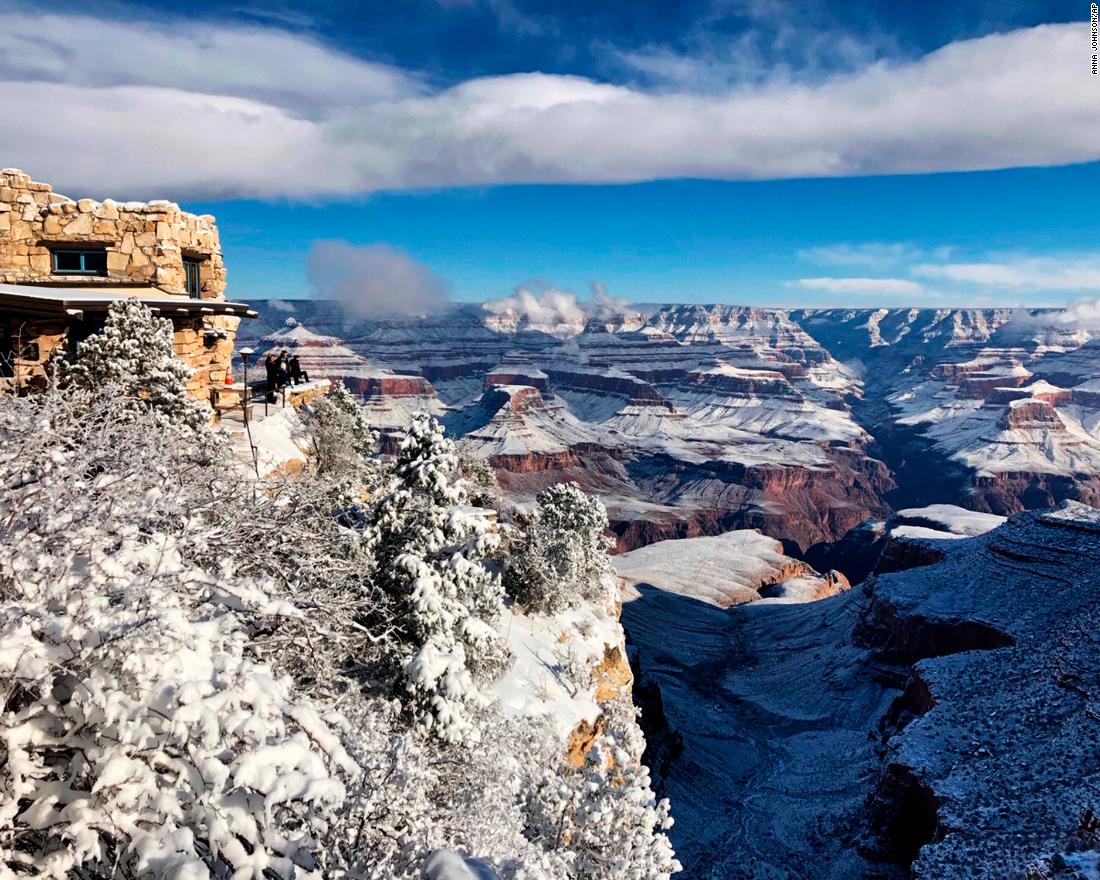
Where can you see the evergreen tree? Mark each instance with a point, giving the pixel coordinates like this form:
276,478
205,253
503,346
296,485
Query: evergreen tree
431,561
343,443
561,557
133,356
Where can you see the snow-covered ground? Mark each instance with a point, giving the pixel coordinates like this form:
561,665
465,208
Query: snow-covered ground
556,656
724,570
951,519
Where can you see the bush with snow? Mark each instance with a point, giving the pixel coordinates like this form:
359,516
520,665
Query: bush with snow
477,473
139,736
603,816
560,559
341,440
132,356
198,671
431,559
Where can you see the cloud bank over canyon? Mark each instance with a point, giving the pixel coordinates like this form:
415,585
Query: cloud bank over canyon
250,111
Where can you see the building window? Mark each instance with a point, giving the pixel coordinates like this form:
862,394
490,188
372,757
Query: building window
192,279
72,262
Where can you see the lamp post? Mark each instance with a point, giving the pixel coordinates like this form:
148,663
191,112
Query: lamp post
245,353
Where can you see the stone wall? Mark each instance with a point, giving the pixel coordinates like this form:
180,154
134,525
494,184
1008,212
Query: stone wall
34,343
200,343
145,241
204,343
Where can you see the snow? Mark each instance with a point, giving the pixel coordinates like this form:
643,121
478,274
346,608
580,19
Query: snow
548,649
796,590
281,442
722,570
922,533
950,518
445,864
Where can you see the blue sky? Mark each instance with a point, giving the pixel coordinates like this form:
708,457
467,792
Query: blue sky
685,240
749,151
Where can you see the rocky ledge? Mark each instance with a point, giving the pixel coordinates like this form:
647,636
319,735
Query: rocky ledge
937,723
998,773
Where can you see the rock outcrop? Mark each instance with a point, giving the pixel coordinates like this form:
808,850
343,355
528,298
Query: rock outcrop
724,570
891,730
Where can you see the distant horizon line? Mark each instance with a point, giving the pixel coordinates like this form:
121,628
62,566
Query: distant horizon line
660,304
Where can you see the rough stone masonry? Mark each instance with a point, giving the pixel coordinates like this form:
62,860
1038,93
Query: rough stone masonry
146,244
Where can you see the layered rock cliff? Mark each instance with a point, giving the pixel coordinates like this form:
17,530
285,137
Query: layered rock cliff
938,722
688,420
693,420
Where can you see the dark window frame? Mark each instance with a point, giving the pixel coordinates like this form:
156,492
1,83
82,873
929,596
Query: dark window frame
192,277
83,266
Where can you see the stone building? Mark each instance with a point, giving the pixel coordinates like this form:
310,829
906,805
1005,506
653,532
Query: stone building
64,261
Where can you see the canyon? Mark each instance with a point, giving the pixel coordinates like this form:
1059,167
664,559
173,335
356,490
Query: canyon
694,420
937,722
758,463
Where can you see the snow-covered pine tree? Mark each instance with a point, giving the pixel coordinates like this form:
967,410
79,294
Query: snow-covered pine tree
431,560
603,816
343,442
561,557
133,356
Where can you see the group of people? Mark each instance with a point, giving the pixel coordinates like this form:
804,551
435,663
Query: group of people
283,371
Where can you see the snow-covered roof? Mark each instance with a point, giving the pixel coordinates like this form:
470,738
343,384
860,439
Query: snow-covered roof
46,299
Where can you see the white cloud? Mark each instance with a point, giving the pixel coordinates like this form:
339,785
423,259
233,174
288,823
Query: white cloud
540,304
134,109
1084,314
375,280
603,306
539,307
262,63
875,255
861,286
1022,274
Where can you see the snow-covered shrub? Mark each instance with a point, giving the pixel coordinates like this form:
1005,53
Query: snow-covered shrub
603,816
138,735
299,534
478,474
561,557
132,356
342,440
431,560
419,794
198,670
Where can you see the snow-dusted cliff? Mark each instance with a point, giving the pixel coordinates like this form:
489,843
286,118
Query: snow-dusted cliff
937,723
687,419
692,419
